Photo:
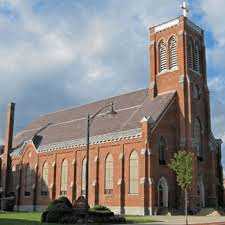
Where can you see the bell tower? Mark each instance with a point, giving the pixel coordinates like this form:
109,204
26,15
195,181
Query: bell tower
178,63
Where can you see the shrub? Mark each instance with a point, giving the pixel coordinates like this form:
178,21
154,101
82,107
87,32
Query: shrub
62,201
100,208
57,210
69,219
10,201
66,201
44,216
56,215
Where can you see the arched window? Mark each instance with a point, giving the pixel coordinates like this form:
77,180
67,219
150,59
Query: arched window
162,56
201,192
109,175
28,180
163,193
162,151
44,182
196,92
64,177
190,54
133,173
172,52
198,137
83,181
197,61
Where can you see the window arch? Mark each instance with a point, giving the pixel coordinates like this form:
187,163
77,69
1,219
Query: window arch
190,54
198,136
172,52
162,151
64,177
83,181
162,56
133,162
197,61
44,181
109,174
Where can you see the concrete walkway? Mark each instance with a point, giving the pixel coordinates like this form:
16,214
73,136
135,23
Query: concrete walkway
180,220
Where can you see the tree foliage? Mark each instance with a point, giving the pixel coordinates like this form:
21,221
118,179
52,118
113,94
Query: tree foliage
182,166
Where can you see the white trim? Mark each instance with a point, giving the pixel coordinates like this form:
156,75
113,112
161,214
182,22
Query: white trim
166,25
144,119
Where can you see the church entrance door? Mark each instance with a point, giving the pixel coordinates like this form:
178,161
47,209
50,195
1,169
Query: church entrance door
162,193
201,193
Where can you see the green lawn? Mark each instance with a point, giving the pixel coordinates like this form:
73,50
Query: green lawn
21,218
139,219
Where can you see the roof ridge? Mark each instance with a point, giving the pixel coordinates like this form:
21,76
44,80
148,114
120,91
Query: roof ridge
78,119
94,102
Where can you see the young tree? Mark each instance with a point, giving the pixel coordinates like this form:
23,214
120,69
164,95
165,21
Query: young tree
182,166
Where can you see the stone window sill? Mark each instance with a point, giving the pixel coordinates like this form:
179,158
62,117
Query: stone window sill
168,70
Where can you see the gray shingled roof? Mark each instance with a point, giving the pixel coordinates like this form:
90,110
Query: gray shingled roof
67,127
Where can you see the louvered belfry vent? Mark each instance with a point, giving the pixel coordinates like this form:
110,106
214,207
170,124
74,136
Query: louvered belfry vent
190,55
162,56
172,52
197,58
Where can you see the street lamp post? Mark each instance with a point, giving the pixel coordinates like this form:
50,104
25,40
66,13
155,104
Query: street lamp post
90,119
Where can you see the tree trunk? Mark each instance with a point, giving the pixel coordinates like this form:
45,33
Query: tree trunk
186,206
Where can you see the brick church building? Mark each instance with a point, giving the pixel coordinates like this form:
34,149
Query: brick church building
130,151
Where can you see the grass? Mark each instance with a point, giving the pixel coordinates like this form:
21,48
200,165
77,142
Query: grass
21,218
33,218
139,219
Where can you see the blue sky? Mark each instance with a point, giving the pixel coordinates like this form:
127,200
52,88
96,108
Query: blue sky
56,54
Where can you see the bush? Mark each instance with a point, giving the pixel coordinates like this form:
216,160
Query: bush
62,201
100,208
66,201
9,202
57,210
72,219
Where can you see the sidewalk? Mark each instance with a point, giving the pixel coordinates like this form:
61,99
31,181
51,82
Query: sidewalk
180,220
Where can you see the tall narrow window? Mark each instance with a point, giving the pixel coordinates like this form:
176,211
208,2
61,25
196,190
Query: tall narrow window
133,173
64,177
109,175
162,151
172,52
190,54
197,61
83,182
28,180
44,181
196,92
198,137
162,56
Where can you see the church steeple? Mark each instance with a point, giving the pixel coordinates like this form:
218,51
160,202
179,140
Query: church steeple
176,50
178,63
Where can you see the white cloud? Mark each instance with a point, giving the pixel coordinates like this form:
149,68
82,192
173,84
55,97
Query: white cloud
65,52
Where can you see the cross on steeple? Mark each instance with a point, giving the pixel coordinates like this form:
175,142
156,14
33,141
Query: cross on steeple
185,8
